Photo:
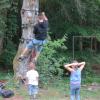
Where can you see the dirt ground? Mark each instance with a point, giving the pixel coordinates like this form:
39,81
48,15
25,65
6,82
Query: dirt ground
45,93
14,98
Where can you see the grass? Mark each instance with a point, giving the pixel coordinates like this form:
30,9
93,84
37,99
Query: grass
90,95
6,75
55,91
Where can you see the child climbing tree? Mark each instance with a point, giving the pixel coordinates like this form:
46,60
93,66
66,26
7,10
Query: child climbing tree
29,14
40,31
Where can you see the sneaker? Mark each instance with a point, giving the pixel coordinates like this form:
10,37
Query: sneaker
21,58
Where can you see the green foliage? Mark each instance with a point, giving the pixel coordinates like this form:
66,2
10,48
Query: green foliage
8,54
13,28
81,16
9,30
50,64
66,17
4,5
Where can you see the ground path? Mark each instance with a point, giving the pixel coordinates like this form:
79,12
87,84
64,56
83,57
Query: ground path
53,94
15,98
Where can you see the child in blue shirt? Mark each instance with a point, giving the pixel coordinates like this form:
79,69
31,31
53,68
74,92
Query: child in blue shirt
75,78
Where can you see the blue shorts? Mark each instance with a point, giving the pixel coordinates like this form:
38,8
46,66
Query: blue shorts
0,91
75,89
32,89
36,44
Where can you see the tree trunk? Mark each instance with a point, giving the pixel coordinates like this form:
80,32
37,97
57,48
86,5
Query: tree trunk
95,44
28,15
81,44
91,43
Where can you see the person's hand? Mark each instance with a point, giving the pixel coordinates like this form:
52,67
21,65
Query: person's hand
44,16
43,13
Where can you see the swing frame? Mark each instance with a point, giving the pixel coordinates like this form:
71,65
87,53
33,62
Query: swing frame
73,43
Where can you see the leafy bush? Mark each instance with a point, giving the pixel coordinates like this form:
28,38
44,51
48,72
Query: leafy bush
9,30
50,64
8,54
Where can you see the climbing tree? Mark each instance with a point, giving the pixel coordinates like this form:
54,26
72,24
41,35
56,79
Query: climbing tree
29,13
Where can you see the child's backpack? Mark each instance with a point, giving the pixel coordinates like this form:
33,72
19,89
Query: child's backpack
7,93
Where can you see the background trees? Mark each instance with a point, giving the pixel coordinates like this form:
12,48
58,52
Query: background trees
67,18
9,30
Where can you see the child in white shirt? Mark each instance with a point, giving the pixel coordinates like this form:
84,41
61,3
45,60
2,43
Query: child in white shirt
32,81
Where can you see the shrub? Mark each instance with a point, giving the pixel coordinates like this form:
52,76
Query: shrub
50,65
8,54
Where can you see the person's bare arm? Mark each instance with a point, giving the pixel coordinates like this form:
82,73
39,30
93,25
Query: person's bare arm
68,67
44,16
81,65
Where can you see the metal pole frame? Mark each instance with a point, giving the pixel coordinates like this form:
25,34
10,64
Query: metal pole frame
73,45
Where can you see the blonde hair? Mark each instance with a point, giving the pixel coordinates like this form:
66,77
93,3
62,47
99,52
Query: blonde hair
74,61
31,65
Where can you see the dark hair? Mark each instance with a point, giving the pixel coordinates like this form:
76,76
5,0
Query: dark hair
40,14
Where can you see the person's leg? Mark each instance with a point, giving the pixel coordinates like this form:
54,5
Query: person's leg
34,59
37,45
31,97
72,94
0,91
35,92
39,48
37,55
30,91
26,50
24,54
77,94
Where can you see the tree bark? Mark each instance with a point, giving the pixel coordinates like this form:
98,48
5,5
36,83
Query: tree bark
95,44
28,15
91,43
81,44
